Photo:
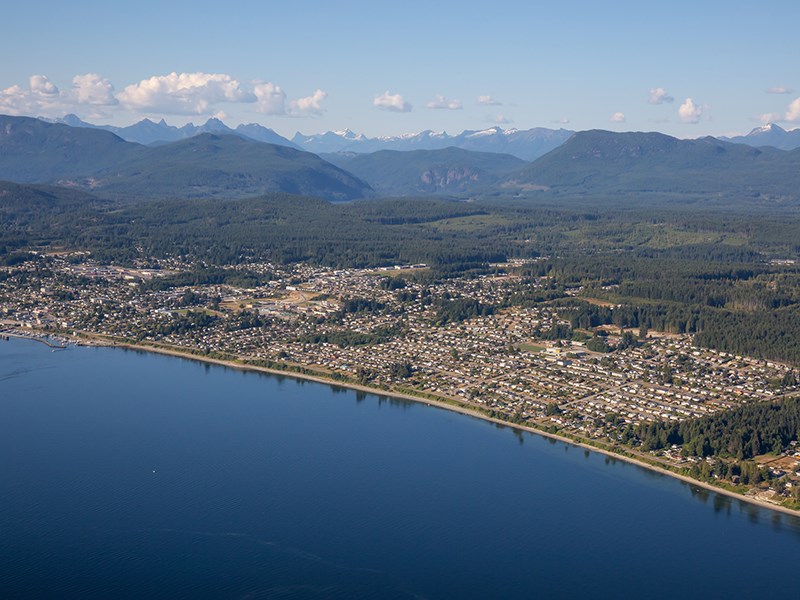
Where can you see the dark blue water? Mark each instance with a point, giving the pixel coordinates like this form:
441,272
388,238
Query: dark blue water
128,475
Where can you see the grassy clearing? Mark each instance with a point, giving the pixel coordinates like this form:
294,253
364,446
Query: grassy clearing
528,347
470,224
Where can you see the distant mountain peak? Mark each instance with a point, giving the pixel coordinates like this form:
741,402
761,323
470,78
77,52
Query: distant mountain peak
768,128
648,162
484,132
148,132
769,134
348,134
72,120
201,164
525,144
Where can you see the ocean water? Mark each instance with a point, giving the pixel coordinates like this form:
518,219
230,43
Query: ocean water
132,475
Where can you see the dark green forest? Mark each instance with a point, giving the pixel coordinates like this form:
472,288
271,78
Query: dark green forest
741,433
726,276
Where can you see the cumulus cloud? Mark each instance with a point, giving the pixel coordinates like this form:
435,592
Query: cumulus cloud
183,93
13,100
308,106
488,101
779,89
93,90
689,112
499,120
617,117
40,97
271,100
660,96
392,102
768,118
41,85
793,112
441,102
176,93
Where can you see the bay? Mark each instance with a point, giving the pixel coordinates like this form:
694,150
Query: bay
129,475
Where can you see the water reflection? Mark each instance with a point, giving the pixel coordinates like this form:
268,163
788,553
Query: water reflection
395,402
753,513
722,503
611,461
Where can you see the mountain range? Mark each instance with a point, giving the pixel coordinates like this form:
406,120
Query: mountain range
525,144
207,165
590,163
419,172
769,135
150,133
528,144
602,162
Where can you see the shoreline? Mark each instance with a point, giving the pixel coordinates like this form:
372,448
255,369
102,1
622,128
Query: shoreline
99,341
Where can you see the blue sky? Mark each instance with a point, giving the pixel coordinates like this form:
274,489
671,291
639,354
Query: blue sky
684,68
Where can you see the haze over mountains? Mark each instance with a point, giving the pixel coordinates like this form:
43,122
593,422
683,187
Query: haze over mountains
416,172
769,135
601,162
527,145
148,132
206,165
231,165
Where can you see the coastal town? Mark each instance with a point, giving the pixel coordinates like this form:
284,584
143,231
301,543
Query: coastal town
392,331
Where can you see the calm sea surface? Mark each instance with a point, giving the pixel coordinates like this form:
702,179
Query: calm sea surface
129,475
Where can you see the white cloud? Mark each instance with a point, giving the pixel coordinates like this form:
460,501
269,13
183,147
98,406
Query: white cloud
690,112
176,93
561,121
617,117
488,101
793,112
440,101
660,96
41,97
499,120
41,85
768,118
184,93
271,100
393,102
93,90
779,89
308,106
14,100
